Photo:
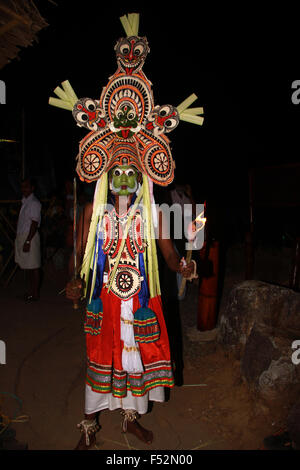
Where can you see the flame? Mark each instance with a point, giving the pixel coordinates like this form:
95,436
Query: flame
200,220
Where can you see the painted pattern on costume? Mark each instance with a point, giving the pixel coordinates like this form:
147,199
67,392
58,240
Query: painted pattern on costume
127,281
105,373
126,107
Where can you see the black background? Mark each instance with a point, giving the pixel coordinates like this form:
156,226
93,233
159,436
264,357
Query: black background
234,59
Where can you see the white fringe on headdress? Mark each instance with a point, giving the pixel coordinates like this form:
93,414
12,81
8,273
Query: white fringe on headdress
131,358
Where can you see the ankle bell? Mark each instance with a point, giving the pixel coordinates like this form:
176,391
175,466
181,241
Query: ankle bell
88,427
129,415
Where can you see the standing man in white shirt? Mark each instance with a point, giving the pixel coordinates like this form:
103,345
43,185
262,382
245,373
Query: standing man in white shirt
27,244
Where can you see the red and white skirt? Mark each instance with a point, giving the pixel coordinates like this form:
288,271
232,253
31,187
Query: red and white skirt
115,374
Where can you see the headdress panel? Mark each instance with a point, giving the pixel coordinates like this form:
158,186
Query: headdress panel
125,126
125,118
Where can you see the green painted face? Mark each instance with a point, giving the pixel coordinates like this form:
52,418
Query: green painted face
125,120
124,180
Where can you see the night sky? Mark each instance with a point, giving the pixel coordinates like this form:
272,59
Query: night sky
233,59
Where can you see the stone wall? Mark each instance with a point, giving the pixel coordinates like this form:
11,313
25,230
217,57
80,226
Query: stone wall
259,324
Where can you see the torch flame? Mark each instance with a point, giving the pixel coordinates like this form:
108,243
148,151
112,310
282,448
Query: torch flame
200,220
196,225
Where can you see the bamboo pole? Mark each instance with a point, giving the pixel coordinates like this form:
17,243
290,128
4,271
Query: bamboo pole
75,303
6,220
23,142
183,282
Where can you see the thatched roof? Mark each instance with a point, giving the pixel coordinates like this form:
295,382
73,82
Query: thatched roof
20,21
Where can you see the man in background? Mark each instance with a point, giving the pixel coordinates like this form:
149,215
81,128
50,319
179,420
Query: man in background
27,243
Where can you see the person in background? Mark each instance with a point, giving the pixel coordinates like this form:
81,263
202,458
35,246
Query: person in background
27,243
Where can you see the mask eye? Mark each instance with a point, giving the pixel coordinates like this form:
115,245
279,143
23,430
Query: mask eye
170,123
138,50
131,115
165,111
129,172
90,105
125,49
117,172
82,117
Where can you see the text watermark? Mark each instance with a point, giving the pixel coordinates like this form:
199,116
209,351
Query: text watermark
2,92
296,354
174,221
2,352
296,94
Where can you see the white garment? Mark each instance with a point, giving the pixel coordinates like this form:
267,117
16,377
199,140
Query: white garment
30,211
32,258
131,357
101,401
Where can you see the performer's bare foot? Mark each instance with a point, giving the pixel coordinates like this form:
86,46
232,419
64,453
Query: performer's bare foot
88,429
141,433
130,424
82,442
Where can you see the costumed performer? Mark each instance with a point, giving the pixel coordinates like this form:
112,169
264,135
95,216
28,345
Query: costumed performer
125,153
127,342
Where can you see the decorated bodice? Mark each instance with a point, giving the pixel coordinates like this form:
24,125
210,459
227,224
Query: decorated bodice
128,277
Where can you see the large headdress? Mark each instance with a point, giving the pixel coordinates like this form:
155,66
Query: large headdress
125,123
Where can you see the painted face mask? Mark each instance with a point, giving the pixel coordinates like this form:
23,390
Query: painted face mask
125,120
131,53
124,180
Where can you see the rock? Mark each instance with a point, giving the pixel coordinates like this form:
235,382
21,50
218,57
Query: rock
261,322
262,303
279,376
259,352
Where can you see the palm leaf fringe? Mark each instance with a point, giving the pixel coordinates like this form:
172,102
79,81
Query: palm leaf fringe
100,199
190,114
66,97
130,24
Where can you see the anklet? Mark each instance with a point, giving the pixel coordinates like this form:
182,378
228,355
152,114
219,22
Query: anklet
129,415
88,427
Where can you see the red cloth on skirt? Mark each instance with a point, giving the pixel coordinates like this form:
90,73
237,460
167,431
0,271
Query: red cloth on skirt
104,353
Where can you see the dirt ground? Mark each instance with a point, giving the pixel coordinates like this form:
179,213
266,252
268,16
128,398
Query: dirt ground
43,378
239,417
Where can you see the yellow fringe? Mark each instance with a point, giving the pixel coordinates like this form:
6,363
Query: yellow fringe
130,24
100,199
152,262
67,97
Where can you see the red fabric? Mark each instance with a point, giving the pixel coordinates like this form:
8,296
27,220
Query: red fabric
106,348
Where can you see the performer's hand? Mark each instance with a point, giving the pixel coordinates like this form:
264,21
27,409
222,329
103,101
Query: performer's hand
26,247
74,289
187,270
192,231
